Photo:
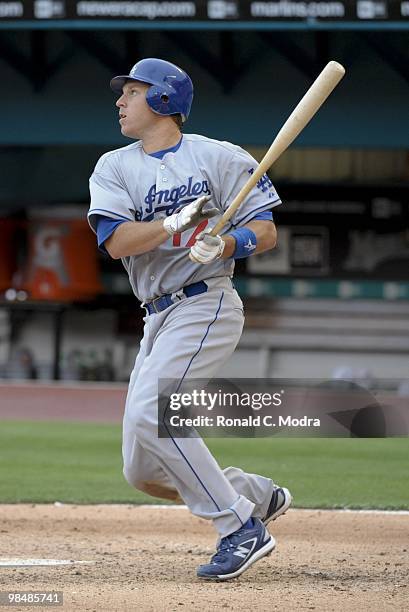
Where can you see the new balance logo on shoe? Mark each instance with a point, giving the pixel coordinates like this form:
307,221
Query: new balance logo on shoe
245,552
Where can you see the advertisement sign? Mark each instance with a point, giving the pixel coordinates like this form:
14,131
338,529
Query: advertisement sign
201,10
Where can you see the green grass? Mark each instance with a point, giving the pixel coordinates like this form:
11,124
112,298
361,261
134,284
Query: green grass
81,462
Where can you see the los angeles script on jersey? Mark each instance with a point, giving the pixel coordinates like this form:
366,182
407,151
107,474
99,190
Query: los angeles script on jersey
167,200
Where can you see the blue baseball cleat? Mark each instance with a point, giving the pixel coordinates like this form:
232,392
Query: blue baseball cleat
280,502
236,552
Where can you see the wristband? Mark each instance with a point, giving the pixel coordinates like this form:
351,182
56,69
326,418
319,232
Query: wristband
246,242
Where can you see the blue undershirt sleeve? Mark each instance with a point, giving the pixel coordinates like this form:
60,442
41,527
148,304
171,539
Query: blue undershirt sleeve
105,227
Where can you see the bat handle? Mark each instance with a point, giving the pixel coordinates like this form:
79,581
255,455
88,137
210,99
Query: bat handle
219,225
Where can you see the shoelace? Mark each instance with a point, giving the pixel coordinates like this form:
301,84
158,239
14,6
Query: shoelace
220,555
226,544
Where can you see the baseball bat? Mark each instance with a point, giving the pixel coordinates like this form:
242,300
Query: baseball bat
319,91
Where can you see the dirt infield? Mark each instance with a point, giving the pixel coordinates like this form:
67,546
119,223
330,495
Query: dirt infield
145,558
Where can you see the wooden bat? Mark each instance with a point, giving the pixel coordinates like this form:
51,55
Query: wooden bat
319,91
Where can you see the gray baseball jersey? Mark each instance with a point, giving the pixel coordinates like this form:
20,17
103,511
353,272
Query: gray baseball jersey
129,184
191,338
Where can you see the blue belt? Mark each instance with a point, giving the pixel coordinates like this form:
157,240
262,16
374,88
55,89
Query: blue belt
164,301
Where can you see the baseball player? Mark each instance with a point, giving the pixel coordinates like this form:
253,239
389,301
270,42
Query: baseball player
153,204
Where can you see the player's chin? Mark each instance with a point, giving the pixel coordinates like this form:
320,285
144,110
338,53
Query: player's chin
127,130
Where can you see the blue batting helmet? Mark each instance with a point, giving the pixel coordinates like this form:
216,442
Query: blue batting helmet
171,91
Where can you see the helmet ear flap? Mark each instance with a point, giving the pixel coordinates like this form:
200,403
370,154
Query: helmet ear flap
159,100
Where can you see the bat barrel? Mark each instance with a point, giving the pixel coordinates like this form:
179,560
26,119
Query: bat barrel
316,95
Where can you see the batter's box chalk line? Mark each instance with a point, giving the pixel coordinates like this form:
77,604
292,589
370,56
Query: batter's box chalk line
20,562
333,510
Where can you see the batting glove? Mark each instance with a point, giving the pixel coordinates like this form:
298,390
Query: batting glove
207,248
189,216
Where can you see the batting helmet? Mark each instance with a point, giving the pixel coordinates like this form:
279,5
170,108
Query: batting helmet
171,91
